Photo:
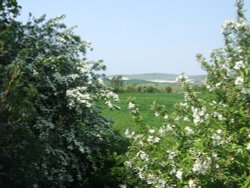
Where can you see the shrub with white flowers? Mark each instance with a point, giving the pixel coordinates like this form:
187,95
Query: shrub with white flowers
206,141
51,131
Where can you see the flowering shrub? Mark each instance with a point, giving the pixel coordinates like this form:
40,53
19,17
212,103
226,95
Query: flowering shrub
206,141
51,133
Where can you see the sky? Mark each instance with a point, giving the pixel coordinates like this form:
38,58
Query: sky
143,36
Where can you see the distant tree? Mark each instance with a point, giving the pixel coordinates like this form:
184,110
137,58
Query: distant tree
130,88
117,83
152,89
168,89
140,89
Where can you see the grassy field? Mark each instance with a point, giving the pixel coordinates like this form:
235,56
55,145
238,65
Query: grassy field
121,118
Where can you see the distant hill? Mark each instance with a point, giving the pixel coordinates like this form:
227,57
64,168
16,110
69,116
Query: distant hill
159,78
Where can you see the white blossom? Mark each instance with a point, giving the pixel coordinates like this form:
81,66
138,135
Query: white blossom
151,179
100,81
239,65
219,131
189,130
129,134
122,186
156,140
109,104
162,130
79,95
165,117
171,155
198,115
239,81
179,174
131,105
227,24
217,138
217,85
184,104
128,164
191,183
161,184
142,155
248,146
201,166
73,76
219,115
157,114
151,131
182,78
150,138
169,127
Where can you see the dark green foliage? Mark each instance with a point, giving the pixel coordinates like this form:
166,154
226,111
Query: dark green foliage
50,135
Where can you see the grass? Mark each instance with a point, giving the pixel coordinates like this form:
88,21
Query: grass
121,118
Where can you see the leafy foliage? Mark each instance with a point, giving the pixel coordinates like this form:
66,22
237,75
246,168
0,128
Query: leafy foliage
51,133
206,141
117,83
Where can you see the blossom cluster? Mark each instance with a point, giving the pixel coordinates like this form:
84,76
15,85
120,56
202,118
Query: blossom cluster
79,95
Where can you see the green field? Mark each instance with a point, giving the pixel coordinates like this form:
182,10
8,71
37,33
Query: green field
121,118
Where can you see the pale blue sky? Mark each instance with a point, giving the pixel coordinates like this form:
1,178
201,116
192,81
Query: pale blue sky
143,36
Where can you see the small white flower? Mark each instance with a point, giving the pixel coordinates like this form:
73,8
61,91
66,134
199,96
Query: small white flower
201,166
156,140
100,81
151,131
239,65
150,138
191,183
129,134
165,116
151,179
219,131
184,104
218,115
189,130
248,147
218,84
169,127
126,132
227,24
157,114
239,81
131,105
179,174
161,130
142,155
171,154
109,104
161,183
182,78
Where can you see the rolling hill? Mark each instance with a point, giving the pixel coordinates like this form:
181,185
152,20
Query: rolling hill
159,78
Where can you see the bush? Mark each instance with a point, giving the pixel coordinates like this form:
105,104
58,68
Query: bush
51,132
206,141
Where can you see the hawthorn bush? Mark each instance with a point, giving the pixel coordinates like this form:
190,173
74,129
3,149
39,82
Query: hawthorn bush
51,131
206,141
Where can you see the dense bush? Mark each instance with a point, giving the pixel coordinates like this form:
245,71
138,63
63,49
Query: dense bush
51,133
206,141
